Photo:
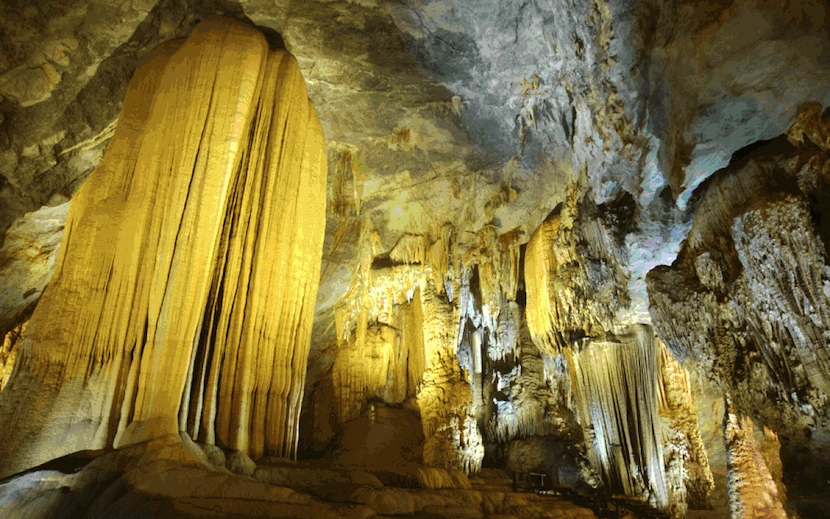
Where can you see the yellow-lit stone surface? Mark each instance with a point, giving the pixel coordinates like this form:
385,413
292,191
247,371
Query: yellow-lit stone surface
184,291
752,490
574,278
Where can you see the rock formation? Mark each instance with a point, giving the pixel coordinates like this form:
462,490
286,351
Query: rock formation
182,296
553,238
745,300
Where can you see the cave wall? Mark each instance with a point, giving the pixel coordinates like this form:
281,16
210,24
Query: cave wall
745,300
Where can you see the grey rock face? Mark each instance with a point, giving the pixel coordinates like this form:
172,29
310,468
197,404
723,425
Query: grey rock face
27,260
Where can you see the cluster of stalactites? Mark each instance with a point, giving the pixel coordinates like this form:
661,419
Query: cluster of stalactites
531,396
466,304
389,279
574,279
184,293
617,401
380,360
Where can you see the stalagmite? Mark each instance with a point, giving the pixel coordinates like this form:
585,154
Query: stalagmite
617,401
752,491
185,287
446,399
688,474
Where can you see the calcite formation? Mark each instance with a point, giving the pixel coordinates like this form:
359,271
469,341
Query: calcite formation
575,281
447,398
752,491
686,461
184,291
746,301
518,364
382,361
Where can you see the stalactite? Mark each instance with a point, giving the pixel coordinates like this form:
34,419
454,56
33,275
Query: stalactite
751,489
411,249
185,286
440,257
785,267
411,325
510,252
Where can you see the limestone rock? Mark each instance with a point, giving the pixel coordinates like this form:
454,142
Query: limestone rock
388,501
752,491
214,454
575,282
152,251
239,463
744,302
139,479
27,260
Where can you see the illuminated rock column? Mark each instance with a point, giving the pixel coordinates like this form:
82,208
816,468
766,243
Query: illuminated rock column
193,250
752,491
453,440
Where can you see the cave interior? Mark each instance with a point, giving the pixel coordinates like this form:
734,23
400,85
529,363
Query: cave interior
415,258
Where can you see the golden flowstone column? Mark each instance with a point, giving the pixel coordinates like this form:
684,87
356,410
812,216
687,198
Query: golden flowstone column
184,292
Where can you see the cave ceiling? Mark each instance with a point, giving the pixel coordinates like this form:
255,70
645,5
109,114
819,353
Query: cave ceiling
501,104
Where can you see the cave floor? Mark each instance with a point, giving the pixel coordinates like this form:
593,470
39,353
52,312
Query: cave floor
173,477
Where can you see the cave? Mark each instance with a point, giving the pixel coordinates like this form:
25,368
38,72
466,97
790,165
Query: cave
415,258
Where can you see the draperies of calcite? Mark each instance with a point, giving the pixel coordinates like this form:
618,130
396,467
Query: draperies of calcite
185,286
574,279
617,400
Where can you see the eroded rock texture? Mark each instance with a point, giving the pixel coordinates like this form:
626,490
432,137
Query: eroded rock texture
183,295
746,300
752,491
